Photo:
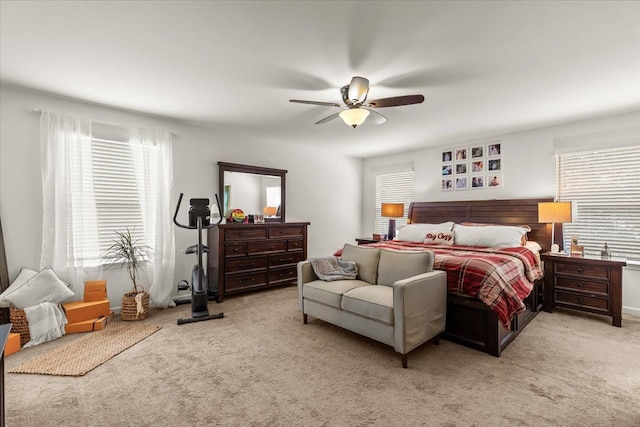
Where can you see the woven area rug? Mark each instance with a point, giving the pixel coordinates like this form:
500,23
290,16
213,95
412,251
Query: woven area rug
86,353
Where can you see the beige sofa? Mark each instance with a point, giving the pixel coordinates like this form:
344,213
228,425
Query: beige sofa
397,297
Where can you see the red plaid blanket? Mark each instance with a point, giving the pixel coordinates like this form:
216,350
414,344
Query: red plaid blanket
500,277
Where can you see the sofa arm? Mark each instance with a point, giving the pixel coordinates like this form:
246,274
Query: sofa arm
420,308
305,275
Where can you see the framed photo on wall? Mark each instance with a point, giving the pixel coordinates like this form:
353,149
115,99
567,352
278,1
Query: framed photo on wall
447,184
494,180
477,181
494,149
462,183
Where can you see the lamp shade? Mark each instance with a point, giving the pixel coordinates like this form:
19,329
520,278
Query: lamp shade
392,210
269,210
354,116
554,212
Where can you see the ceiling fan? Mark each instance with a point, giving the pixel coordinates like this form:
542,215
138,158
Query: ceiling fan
354,96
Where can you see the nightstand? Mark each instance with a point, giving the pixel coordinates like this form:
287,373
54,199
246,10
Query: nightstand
365,240
586,283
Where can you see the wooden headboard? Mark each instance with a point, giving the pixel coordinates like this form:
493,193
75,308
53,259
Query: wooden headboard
503,212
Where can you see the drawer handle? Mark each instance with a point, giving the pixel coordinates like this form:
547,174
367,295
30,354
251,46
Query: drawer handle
580,269
286,259
580,284
245,265
285,274
245,281
580,299
236,250
268,247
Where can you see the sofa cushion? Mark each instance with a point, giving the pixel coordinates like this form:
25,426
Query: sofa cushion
373,302
330,293
398,265
366,258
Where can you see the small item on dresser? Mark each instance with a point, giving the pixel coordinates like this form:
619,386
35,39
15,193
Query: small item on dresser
577,250
605,252
377,237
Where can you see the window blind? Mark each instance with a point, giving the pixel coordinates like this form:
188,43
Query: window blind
394,187
116,192
604,188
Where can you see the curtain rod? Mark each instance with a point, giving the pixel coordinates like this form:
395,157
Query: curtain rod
37,110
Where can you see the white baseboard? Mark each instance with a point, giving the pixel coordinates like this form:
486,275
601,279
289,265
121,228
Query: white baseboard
631,310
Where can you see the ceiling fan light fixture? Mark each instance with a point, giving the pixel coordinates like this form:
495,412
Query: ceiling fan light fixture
354,117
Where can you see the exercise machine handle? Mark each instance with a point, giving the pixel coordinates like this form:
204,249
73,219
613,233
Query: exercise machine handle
175,215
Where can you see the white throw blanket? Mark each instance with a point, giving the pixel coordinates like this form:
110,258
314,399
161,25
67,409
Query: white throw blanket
46,322
334,268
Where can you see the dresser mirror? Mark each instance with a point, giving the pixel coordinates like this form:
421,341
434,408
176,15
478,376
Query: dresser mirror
253,189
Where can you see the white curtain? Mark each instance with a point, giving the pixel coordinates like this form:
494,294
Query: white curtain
68,200
152,160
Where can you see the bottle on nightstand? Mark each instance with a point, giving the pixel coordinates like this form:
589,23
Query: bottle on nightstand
605,252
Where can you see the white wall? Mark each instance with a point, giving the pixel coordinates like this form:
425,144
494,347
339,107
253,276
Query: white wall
528,171
317,181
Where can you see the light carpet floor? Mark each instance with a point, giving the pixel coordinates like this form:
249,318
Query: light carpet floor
261,366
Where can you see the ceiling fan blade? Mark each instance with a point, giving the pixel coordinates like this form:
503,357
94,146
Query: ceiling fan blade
328,119
395,101
328,104
358,90
376,117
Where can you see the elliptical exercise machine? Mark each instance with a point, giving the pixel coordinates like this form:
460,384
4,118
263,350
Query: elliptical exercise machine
199,218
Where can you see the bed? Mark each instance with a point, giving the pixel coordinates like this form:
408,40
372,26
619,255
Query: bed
470,321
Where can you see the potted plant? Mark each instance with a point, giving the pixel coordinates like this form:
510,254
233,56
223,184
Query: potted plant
129,252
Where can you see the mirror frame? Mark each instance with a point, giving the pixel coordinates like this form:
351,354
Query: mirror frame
256,170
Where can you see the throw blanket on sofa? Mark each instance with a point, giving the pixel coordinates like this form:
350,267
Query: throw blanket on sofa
334,268
500,277
46,322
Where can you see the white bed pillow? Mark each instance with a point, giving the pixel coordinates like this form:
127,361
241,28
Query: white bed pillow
493,236
534,246
22,278
417,232
44,286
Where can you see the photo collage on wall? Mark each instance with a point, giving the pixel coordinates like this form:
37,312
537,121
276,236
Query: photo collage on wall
473,167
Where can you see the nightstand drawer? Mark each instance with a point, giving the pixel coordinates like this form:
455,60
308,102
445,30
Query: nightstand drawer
583,270
582,301
583,285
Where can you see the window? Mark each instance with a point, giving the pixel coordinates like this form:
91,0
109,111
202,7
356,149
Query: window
604,188
116,193
396,187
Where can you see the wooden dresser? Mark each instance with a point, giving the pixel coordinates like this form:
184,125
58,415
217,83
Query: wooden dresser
247,257
587,283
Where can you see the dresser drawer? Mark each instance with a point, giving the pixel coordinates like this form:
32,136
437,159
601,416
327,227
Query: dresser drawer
266,246
583,285
295,245
595,271
286,231
245,264
246,233
582,301
245,281
235,249
287,274
284,259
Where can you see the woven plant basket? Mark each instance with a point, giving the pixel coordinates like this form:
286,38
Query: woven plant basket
129,310
19,324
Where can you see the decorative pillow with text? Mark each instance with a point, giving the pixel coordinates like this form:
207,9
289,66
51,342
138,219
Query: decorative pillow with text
439,238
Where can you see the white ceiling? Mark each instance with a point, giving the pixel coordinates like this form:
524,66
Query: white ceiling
485,68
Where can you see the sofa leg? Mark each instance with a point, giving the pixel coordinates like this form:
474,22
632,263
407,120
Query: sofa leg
404,360
304,319
436,339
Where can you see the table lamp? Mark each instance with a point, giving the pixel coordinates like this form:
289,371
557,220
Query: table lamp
392,211
554,213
